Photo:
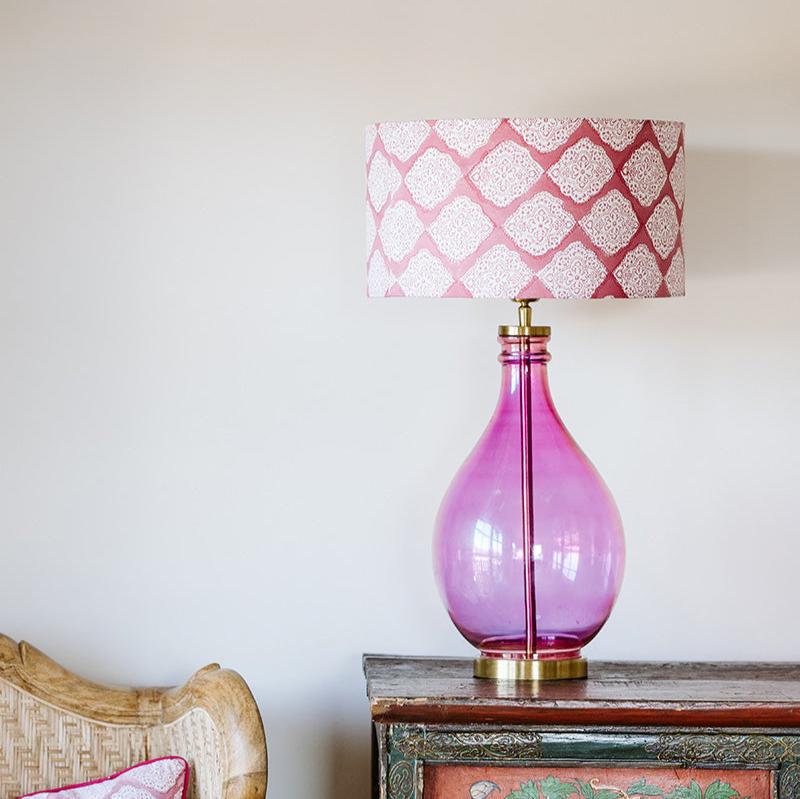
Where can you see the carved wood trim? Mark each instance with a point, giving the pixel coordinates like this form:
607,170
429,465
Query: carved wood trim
699,749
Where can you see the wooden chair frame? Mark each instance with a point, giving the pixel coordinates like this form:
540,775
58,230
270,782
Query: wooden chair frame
57,728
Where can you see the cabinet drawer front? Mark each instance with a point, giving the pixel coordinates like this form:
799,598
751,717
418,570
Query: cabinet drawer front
593,782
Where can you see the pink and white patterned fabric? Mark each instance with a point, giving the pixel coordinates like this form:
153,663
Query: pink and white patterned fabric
565,208
164,778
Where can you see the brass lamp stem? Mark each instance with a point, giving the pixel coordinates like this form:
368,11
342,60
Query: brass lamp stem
525,312
524,327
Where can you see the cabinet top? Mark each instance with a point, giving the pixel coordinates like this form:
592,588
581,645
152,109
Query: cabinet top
443,690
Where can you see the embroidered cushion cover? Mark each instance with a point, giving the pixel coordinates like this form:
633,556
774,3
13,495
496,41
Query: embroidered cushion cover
164,778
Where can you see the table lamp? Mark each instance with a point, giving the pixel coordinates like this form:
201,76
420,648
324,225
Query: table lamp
528,543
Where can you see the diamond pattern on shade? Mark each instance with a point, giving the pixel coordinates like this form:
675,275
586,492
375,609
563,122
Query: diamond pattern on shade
370,133
460,228
371,229
400,230
514,207
617,133
575,272
582,171
425,276
539,224
466,135
545,134
677,177
403,139
506,173
379,278
667,134
645,173
674,277
383,180
611,223
432,178
499,272
663,227
638,273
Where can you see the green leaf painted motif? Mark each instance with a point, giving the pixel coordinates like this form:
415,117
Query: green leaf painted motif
720,790
554,788
693,791
641,788
527,790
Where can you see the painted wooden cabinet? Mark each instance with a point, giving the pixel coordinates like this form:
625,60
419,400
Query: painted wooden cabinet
631,731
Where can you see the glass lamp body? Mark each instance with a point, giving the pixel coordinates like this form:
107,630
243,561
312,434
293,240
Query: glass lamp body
573,538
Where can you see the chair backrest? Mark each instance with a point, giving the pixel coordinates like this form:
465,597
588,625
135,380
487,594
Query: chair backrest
58,729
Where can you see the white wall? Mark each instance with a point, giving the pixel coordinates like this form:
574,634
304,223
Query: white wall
212,446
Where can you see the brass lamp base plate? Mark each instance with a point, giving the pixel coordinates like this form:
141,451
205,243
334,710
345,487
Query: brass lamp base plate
508,669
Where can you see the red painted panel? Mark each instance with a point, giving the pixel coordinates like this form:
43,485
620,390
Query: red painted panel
592,782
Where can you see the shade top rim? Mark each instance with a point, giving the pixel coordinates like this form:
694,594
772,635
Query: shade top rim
526,119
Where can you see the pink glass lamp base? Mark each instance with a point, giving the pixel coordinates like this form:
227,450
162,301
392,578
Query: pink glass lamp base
528,547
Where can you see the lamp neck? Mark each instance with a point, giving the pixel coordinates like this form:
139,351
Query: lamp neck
524,327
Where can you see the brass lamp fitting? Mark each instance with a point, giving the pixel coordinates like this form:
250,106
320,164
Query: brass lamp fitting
524,327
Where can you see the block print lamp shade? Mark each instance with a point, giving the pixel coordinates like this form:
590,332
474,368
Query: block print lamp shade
528,543
525,208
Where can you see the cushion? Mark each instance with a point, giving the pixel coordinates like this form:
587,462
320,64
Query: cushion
164,778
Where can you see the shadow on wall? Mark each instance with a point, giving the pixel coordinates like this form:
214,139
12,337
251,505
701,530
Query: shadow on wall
349,761
741,215
741,204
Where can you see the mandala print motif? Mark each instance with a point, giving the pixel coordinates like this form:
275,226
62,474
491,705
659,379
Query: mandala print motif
582,170
466,135
403,139
465,207
506,173
425,276
546,133
372,230
400,230
370,132
611,223
638,273
379,278
539,224
645,173
161,775
677,177
499,272
383,181
675,275
662,227
460,228
432,178
574,273
667,134
617,133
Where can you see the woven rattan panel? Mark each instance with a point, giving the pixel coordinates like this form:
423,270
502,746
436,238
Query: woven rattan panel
43,747
195,738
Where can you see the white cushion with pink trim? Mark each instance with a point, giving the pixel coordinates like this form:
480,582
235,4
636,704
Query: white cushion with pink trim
164,778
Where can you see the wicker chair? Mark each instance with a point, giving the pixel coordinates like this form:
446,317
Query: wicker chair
58,729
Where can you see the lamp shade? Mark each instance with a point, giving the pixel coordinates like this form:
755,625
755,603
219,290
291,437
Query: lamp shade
525,208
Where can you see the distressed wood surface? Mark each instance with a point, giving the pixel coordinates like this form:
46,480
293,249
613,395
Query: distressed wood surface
443,690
